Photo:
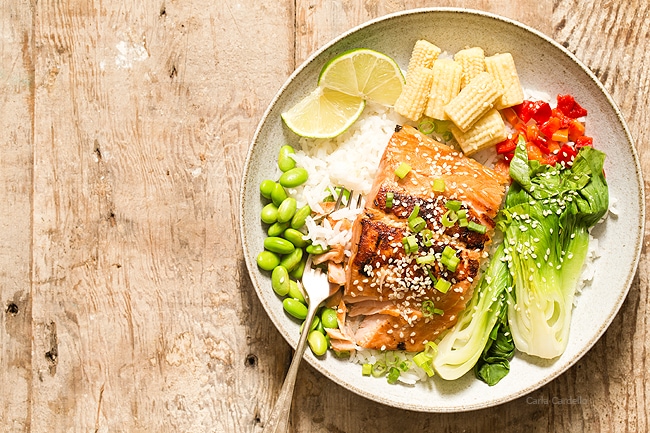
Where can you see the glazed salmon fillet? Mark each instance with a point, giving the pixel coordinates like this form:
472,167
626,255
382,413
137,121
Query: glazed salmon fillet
390,300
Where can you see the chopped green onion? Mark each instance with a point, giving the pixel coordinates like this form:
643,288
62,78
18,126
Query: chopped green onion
389,199
427,237
442,285
448,251
417,224
438,311
410,244
378,369
449,218
427,308
402,170
477,227
393,375
431,349
366,369
404,365
423,361
425,260
451,263
463,222
453,205
430,274
447,136
462,214
438,185
414,212
427,126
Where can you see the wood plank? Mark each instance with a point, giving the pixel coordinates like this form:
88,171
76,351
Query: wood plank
16,149
142,308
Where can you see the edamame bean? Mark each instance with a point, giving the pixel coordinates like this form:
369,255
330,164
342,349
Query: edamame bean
328,318
317,343
278,194
294,307
316,249
277,228
314,324
269,213
292,259
285,161
286,210
300,217
295,292
280,280
266,188
279,245
300,269
267,260
294,177
295,237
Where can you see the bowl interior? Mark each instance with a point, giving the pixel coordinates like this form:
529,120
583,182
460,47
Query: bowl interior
542,65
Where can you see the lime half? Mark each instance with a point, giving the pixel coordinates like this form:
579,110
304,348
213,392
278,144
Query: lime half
364,73
324,113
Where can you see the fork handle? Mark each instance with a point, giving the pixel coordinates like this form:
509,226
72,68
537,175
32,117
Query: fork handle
279,420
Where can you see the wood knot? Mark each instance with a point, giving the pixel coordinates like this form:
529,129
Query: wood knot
12,309
251,360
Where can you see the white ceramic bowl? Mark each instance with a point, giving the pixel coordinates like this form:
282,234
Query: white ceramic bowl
543,65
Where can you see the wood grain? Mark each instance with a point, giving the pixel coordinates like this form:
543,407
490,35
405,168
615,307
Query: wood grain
125,302
16,153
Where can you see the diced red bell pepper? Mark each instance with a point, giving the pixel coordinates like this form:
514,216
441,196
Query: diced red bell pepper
567,154
583,141
549,127
576,129
550,159
561,135
564,120
511,116
507,146
568,105
534,152
539,111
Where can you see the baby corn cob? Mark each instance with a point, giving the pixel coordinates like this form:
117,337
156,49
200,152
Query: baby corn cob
424,54
473,62
473,101
502,68
415,94
488,131
446,85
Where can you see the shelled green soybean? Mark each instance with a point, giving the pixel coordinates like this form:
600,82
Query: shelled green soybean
285,251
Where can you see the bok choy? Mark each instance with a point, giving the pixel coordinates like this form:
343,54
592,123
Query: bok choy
460,349
546,219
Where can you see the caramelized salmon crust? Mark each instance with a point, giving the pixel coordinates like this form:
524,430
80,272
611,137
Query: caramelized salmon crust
386,287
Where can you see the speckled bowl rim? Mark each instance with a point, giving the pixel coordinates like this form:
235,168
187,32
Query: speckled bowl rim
415,406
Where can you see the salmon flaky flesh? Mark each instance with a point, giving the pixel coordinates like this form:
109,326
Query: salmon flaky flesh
389,300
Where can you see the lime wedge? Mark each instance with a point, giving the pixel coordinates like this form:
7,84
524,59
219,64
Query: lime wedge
364,73
324,113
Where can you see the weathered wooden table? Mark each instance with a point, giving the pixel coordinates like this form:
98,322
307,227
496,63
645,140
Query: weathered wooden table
125,302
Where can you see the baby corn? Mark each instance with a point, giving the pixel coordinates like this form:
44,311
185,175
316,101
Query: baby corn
472,61
415,94
424,54
446,85
473,101
488,131
502,68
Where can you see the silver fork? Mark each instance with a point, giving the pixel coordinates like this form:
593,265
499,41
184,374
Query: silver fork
317,290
